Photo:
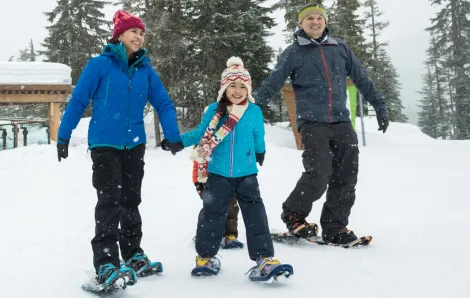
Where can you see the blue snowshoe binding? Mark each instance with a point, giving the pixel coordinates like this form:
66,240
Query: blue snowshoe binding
206,266
110,279
270,270
142,265
230,242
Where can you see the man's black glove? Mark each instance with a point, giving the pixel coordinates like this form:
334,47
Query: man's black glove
173,147
199,188
260,158
62,149
382,119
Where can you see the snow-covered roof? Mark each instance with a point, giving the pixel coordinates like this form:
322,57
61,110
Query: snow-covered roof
34,73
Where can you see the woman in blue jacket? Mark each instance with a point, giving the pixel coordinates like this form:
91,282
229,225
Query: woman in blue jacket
120,81
231,141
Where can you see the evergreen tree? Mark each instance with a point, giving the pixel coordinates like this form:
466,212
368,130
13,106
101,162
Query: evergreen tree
229,28
345,23
28,54
451,30
277,103
382,72
170,44
32,52
23,55
429,107
436,64
375,26
387,82
77,33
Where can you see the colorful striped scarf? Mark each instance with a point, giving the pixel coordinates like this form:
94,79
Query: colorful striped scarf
202,153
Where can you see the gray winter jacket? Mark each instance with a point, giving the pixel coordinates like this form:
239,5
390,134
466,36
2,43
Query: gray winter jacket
318,72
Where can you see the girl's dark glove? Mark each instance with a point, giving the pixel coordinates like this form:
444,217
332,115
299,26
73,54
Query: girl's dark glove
260,158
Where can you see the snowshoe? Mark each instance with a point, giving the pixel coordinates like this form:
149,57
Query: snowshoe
110,279
206,266
288,238
361,241
230,242
270,270
142,265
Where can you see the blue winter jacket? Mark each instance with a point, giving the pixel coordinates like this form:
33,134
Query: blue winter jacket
318,72
119,94
235,155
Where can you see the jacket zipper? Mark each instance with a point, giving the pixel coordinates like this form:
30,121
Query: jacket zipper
330,86
128,109
231,152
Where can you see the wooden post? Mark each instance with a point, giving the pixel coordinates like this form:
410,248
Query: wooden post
289,98
15,135
54,119
4,138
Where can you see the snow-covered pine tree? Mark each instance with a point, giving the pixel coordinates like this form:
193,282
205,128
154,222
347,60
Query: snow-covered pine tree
388,84
28,54
381,69
346,24
226,28
451,30
429,114
32,52
436,65
77,33
170,42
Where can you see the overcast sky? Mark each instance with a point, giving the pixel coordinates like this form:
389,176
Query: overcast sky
23,20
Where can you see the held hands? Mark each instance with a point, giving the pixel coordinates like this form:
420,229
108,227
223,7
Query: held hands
260,158
382,119
62,149
173,147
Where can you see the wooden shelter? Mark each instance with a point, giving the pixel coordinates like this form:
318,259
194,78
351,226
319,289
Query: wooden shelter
36,83
52,95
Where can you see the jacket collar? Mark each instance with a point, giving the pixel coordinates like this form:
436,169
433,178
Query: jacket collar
303,39
118,51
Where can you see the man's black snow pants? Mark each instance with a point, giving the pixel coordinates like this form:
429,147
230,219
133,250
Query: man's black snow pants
217,195
117,178
330,160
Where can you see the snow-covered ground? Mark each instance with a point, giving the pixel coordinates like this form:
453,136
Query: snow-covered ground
412,196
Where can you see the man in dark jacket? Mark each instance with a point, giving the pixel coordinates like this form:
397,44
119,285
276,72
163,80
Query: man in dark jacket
318,66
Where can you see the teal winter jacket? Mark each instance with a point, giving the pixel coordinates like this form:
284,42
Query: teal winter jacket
235,156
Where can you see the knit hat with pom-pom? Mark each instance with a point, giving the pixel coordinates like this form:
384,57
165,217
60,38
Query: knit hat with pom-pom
124,21
235,72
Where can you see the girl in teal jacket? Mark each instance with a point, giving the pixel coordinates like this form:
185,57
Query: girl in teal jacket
230,141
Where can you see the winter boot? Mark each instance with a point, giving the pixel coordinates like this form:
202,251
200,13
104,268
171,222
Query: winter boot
142,265
231,241
339,237
299,227
268,269
110,277
206,266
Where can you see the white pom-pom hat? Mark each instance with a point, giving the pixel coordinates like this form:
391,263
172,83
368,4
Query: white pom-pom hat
235,72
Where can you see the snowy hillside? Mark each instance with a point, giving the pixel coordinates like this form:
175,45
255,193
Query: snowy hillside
412,196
